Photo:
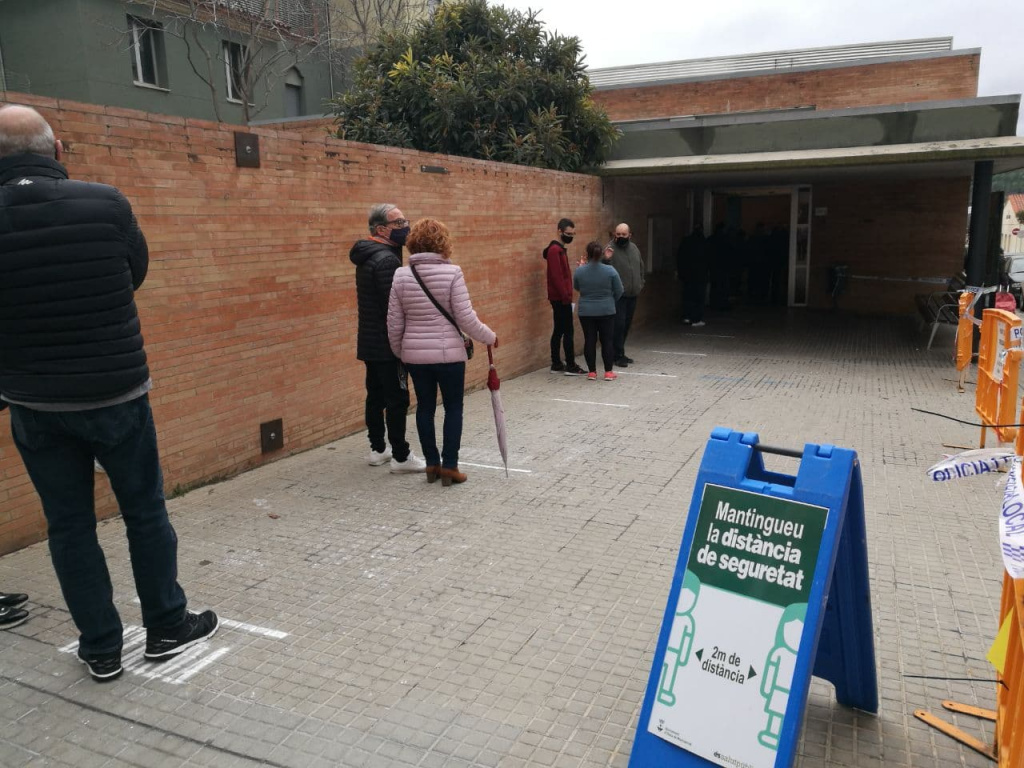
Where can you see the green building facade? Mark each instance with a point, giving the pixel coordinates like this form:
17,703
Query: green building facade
133,55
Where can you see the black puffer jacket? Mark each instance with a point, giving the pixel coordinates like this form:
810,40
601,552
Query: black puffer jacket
376,263
71,255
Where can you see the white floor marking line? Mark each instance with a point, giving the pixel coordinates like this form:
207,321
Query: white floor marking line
684,354
253,629
660,375
189,663
201,665
167,670
492,466
589,402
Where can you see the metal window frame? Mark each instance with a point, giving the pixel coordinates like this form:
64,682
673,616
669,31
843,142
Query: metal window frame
138,28
232,96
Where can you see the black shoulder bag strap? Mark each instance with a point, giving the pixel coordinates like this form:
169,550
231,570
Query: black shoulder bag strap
430,296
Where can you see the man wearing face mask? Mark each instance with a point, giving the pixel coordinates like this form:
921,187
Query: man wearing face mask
560,296
387,383
625,257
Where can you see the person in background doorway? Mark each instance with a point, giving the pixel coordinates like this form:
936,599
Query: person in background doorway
692,270
778,250
432,346
600,288
625,258
720,254
387,384
759,268
560,296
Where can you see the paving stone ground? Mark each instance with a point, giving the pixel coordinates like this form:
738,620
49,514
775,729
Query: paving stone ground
380,621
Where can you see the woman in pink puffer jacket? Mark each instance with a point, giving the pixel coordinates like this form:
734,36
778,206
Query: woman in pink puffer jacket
430,346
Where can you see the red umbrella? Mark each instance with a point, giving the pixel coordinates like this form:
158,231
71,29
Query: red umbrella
493,384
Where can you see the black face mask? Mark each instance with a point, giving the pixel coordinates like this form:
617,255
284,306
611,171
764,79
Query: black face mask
398,236
622,241
567,239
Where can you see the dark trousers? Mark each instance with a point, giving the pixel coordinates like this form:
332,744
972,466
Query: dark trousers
694,293
720,290
387,403
58,451
562,333
451,379
603,327
624,309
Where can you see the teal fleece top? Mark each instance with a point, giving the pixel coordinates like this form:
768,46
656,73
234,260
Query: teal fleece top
599,286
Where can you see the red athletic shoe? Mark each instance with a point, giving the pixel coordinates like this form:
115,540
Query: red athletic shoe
610,375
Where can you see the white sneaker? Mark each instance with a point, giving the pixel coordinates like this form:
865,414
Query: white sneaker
98,467
699,324
376,459
412,464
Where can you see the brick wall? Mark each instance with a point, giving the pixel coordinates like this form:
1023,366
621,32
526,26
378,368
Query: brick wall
947,77
249,309
889,232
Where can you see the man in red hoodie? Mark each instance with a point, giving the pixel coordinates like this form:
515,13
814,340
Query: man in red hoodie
560,296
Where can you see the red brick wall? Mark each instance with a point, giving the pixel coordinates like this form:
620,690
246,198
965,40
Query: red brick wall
948,77
887,232
249,309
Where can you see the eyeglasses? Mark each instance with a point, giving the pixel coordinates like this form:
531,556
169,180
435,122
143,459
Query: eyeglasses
398,223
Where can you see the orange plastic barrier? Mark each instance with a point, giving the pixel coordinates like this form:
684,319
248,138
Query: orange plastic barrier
999,358
1010,693
964,338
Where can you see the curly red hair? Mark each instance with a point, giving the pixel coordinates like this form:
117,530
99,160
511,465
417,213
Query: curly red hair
429,236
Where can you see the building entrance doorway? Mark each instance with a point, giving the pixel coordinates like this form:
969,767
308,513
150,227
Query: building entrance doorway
763,238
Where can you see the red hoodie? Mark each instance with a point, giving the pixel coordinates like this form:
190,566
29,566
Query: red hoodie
559,273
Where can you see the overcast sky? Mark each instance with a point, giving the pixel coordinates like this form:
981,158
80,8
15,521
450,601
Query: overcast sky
642,31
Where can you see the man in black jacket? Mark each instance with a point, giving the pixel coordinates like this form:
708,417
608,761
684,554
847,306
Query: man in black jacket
387,383
73,370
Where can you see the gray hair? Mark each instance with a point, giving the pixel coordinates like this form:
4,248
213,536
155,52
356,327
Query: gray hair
35,137
379,215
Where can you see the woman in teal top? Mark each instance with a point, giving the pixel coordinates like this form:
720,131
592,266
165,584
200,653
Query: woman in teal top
599,287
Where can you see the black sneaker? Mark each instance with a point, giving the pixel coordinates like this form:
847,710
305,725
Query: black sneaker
170,641
103,667
629,360
11,600
557,367
12,617
622,362
574,370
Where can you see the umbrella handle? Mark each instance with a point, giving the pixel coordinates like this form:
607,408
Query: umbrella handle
490,355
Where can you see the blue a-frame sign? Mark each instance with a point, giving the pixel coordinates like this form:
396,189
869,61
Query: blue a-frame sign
771,586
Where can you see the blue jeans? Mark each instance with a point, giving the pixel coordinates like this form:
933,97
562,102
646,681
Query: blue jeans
451,378
58,451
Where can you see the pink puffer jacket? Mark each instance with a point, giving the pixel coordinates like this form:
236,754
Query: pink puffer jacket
418,333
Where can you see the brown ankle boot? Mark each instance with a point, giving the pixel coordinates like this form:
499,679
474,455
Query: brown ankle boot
433,473
449,476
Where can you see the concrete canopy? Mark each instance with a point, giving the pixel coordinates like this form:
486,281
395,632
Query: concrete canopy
937,158
936,138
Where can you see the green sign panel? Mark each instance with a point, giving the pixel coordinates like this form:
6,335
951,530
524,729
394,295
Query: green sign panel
755,545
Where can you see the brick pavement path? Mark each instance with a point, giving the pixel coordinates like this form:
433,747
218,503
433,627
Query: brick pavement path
379,621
